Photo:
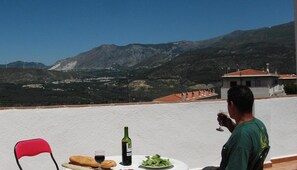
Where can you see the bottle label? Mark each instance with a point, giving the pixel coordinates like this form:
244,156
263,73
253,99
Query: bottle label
129,150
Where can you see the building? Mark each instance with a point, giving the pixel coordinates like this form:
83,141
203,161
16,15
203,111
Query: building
262,83
287,79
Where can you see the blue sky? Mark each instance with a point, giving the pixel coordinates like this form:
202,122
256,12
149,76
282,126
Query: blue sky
49,30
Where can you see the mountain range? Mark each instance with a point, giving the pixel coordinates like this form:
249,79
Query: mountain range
24,65
113,56
195,59
237,50
143,72
204,61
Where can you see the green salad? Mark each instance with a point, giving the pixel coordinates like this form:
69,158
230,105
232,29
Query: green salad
156,161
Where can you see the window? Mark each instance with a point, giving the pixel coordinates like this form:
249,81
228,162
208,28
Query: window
233,83
248,83
258,83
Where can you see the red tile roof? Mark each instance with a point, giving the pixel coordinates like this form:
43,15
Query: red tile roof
169,98
287,76
249,73
195,95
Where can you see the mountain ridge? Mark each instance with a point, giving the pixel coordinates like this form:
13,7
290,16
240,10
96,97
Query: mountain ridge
107,56
24,65
150,56
193,60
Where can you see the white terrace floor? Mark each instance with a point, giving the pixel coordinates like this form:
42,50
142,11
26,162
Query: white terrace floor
184,131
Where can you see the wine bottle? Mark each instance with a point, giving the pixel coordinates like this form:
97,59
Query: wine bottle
126,149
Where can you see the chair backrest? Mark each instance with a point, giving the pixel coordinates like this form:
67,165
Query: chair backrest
32,147
260,162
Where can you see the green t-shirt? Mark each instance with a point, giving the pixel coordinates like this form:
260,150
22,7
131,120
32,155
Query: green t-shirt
244,146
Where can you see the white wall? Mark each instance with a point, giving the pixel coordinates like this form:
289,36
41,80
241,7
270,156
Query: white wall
257,91
283,132
261,91
184,131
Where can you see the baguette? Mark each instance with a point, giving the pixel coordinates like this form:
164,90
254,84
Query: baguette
84,161
107,164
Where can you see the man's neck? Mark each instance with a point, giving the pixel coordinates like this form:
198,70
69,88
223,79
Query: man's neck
243,118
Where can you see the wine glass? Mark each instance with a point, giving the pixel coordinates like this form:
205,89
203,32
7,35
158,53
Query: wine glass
221,118
99,156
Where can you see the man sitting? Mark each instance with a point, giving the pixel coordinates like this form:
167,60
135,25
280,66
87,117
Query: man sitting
249,135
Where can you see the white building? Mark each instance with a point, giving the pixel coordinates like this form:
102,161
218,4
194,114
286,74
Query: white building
262,83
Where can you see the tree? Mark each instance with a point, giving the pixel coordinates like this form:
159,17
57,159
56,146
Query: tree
291,88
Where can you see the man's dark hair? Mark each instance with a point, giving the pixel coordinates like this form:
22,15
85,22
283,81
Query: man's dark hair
242,97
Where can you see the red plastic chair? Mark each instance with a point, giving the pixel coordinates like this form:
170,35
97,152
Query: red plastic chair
32,147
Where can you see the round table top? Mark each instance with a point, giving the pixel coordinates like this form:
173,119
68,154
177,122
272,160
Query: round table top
137,160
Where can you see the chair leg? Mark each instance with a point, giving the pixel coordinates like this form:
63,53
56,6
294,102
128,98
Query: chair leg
17,160
55,161
19,164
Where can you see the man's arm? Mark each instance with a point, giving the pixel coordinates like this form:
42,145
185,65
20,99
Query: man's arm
230,125
227,122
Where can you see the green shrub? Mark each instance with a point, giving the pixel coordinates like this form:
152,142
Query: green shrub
291,88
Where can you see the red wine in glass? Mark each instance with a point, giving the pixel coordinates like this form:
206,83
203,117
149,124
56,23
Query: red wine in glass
99,156
221,118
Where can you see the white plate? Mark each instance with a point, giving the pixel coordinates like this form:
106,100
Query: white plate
156,167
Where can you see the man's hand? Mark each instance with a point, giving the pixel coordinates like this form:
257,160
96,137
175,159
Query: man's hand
225,121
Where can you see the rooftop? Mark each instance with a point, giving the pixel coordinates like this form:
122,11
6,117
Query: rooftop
288,76
181,130
188,96
249,73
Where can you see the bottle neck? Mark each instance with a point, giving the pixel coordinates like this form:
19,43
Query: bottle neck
126,134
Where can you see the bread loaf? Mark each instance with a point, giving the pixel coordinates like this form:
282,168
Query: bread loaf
108,164
84,161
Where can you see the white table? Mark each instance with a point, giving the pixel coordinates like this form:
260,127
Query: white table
137,160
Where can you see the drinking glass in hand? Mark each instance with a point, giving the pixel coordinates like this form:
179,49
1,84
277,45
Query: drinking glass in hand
99,156
221,119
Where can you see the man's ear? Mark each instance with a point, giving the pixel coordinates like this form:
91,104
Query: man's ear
232,105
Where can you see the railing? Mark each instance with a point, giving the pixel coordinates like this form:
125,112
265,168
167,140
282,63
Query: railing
184,131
